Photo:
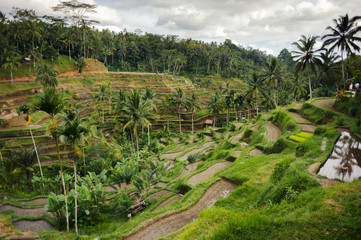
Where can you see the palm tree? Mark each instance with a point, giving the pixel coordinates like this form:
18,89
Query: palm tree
273,74
254,89
101,96
327,65
343,37
72,131
215,106
167,107
193,105
137,112
12,62
306,57
148,95
52,103
237,103
228,100
46,75
25,159
179,100
298,87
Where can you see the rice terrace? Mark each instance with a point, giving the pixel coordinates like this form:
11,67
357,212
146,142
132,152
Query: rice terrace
130,135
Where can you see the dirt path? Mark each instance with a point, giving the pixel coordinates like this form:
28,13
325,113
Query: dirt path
188,169
254,152
237,153
298,118
325,182
33,225
170,155
325,103
35,212
169,224
208,173
169,200
36,201
194,151
236,138
310,128
159,194
273,132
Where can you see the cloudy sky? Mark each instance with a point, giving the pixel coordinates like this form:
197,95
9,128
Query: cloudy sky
263,24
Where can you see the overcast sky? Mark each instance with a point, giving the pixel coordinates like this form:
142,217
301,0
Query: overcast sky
263,24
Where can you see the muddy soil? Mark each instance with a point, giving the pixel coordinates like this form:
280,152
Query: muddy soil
208,173
238,125
298,118
237,153
194,151
255,128
33,225
236,138
325,103
188,169
273,132
323,181
254,152
159,194
307,128
228,134
36,201
26,211
170,155
169,200
169,224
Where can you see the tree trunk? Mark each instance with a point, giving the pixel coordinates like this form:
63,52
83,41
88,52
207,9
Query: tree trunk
148,136
309,82
37,156
180,123
136,139
11,75
235,109
227,115
192,125
69,53
343,70
1,157
30,185
168,124
64,188
214,120
76,199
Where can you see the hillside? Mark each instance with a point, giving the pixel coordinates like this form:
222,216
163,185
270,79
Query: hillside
255,178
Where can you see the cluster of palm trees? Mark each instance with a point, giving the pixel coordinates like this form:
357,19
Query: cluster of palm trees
342,37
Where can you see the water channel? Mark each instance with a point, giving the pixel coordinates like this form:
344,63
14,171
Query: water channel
345,161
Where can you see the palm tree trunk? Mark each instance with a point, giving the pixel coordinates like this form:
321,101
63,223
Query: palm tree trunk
148,136
180,123
11,75
1,157
136,139
343,70
214,120
227,115
168,124
76,200
274,96
64,188
192,125
37,156
235,109
309,82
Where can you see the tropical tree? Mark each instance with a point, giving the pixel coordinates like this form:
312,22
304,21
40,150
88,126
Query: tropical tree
179,100
228,102
52,103
306,57
25,159
237,103
343,37
215,106
327,66
298,87
46,75
272,74
12,62
137,112
193,105
167,107
254,89
101,96
148,95
73,132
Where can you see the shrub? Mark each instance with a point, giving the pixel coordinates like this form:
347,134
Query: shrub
182,188
192,158
279,146
121,204
280,169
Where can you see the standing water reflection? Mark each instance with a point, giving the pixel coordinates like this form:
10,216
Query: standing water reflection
345,161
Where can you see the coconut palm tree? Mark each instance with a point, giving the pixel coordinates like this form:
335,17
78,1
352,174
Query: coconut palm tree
298,87
228,101
179,100
167,107
12,62
137,112
52,103
73,132
193,105
101,95
46,75
273,74
343,37
237,103
148,95
254,89
215,106
306,57
327,66
25,159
